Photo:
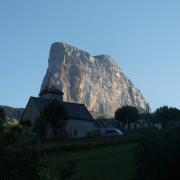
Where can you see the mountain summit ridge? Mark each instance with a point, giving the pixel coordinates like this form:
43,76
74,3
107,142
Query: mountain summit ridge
96,81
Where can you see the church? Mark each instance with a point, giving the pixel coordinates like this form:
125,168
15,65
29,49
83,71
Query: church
80,122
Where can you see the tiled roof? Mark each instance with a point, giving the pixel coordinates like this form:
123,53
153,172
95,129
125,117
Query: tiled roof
76,111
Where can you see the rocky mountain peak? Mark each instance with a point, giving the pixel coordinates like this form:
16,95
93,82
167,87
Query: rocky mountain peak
96,81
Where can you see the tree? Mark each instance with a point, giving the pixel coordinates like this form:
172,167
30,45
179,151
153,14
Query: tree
40,126
164,115
147,119
26,124
127,115
18,160
2,116
55,116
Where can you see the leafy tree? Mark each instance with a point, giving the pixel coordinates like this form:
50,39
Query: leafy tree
55,116
2,116
127,115
164,115
40,126
18,161
26,124
148,119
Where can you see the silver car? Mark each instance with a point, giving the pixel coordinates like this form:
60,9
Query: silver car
113,132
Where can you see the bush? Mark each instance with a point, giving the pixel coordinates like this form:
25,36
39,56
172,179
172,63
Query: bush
59,172
18,162
158,156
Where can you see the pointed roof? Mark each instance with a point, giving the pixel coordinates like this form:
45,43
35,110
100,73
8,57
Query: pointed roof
74,111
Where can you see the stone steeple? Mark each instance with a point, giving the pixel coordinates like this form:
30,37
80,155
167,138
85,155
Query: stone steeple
51,93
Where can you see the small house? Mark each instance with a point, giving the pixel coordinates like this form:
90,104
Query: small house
80,122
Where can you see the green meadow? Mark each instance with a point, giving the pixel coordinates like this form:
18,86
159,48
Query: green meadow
108,163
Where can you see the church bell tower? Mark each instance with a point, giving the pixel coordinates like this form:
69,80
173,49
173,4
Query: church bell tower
51,93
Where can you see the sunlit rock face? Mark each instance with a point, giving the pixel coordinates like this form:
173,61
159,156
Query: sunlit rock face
96,81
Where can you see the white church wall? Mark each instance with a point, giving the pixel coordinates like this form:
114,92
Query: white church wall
31,112
79,128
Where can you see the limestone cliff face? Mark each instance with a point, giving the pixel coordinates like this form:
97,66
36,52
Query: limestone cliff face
95,81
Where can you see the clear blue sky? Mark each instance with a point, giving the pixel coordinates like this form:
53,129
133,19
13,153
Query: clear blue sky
142,35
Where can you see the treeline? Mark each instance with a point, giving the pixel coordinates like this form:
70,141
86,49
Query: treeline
158,156
163,117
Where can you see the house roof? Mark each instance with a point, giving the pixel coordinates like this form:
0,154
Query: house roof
74,111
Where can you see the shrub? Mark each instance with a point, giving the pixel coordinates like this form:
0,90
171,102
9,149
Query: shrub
18,162
158,156
59,172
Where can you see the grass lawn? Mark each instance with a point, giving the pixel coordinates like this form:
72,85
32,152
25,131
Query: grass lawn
114,162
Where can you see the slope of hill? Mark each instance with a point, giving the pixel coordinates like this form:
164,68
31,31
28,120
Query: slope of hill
13,113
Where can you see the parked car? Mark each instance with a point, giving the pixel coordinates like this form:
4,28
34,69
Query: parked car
108,132
113,132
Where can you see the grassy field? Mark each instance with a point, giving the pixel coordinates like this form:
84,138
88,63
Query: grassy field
113,162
